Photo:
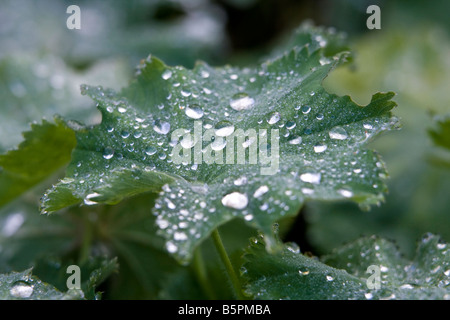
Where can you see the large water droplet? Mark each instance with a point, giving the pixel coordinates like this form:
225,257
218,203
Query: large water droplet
235,200
194,111
108,153
311,177
161,127
224,128
273,118
338,133
241,101
21,290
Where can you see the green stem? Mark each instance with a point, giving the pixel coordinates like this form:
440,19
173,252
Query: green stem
86,241
200,272
227,263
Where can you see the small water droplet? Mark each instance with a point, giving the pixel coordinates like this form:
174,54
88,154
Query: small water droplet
194,111
218,144
240,181
311,177
305,109
260,191
318,148
330,278
345,193
150,150
248,217
273,118
293,247
290,125
88,201
171,247
319,116
235,200
295,140
166,74
241,101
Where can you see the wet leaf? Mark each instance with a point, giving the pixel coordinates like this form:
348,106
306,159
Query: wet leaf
305,144
369,268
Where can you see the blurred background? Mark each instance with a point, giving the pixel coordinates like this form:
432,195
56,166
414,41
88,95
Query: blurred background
42,64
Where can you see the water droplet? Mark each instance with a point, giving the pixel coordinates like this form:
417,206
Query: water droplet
150,150
293,247
171,247
273,118
161,127
235,200
248,217
166,74
187,142
224,128
318,148
21,290
88,201
338,133
218,144
330,278
295,140
311,177
194,111
290,125
368,295
367,126
240,181
345,193
108,153
260,191
241,101
124,134
305,109
303,273
319,116
180,236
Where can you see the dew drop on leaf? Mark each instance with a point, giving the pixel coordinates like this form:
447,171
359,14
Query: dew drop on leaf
167,74
161,127
311,177
21,290
223,128
273,117
235,200
338,133
241,101
194,112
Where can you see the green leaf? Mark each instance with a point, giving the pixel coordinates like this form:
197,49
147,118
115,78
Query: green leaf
320,156
441,134
46,148
347,273
22,285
